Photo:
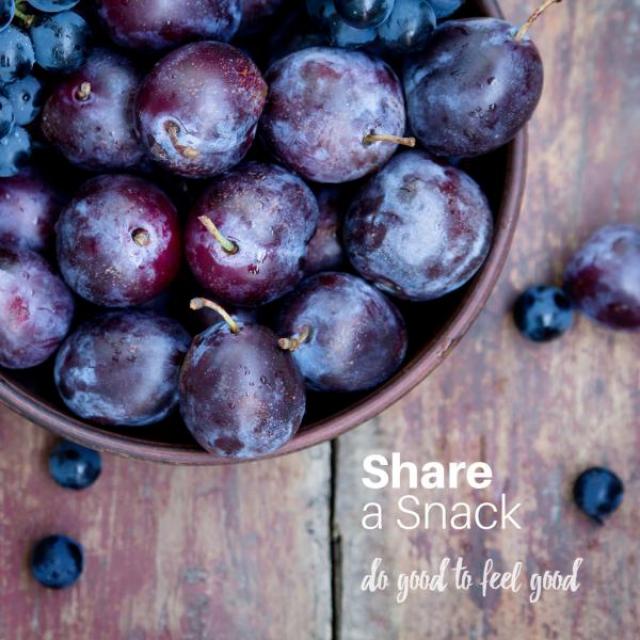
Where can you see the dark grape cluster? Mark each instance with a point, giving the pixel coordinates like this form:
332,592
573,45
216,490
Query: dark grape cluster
239,158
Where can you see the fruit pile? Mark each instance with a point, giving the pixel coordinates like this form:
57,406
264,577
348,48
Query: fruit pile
146,162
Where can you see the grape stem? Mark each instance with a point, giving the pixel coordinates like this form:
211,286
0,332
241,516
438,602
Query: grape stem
84,91
372,137
202,303
228,245
522,31
293,343
187,152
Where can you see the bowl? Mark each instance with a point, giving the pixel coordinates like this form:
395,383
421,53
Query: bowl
501,175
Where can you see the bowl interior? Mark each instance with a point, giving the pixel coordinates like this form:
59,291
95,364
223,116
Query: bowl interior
433,329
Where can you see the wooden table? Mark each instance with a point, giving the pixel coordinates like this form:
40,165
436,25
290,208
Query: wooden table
275,550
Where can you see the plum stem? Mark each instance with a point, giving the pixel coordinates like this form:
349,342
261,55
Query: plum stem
84,91
202,303
25,19
141,237
372,137
293,343
522,31
187,152
228,245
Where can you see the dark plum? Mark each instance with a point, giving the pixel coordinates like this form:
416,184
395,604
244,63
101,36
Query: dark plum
543,313
603,277
331,113
26,97
53,6
73,466
29,208
122,369
160,24
7,117
364,13
473,88
444,8
598,493
118,241
57,562
36,309
418,229
246,237
7,12
324,251
199,107
16,54
90,115
409,27
241,396
61,41
343,333
15,151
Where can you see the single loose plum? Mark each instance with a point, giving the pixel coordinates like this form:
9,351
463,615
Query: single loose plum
247,235
119,241
29,208
473,87
343,333
36,309
418,229
122,369
90,116
198,109
324,251
241,396
327,109
603,277
159,24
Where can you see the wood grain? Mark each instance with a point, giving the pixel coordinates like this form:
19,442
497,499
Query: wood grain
538,415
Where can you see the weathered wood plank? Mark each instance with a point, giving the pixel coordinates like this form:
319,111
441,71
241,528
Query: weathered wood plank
538,415
183,553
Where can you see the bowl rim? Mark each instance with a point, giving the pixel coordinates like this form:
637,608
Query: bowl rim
423,363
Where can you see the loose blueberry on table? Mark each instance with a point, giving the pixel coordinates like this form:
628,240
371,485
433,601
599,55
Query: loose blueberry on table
598,493
543,313
57,561
73,466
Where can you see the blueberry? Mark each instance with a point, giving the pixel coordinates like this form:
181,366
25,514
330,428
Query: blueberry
16,54
543,313
52,6
409,26
61,41
26,99
364,13
7,117
444,8
15,151
57,561
7,11
73,466
598,492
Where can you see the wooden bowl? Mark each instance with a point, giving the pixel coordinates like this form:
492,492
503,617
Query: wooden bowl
434,328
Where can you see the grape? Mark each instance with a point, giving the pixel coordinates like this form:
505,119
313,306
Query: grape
61,41
29,208
198,109
16,55
355,338
241,396
160,24
57,562
89,115
324,251
418,230
342,34
603,277
7,117
7,11
444,8
323,103
364,13
267,216
53,6
26,97
122,369
36,309
473,88
409,27
119,241
15,151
